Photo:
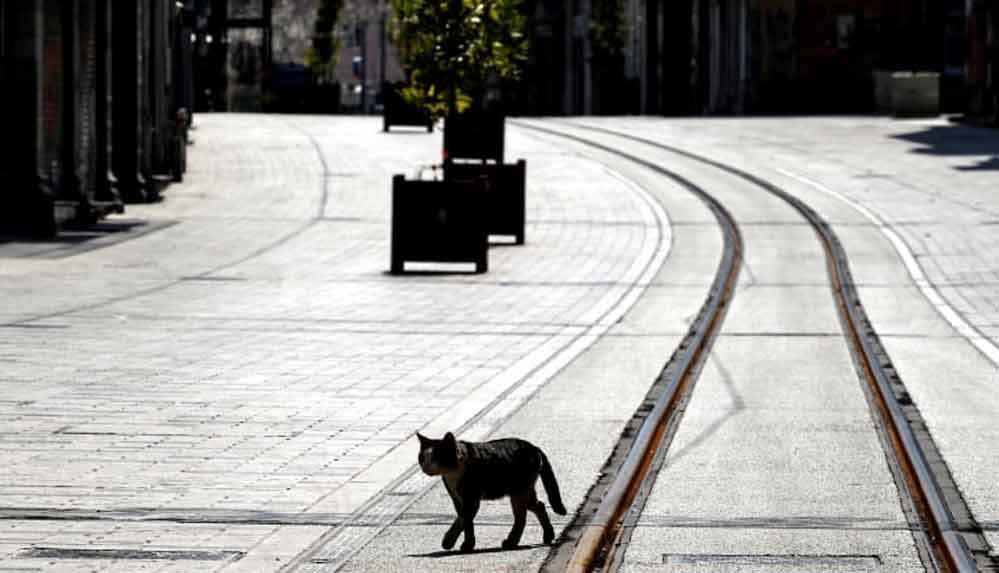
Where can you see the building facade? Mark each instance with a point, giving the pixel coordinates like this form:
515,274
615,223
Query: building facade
91,95
765,56
983,61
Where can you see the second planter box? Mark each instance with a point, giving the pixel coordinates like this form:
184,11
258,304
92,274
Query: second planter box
473,149
505,193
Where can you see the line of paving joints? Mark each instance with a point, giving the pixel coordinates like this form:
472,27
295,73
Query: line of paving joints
200,516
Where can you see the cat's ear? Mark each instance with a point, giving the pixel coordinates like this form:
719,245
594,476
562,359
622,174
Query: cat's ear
447,452
424,441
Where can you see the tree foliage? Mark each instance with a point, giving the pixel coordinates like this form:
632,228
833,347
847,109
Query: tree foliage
452,50
608,32
322,56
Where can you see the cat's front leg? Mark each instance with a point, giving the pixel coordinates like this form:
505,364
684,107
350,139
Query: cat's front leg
469,509
451,537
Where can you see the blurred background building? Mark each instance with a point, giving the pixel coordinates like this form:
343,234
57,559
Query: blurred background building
673,57
98,94
253,55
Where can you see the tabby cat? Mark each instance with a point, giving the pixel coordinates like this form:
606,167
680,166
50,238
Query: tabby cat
473,471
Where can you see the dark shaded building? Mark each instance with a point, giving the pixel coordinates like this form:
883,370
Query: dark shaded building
768,56
544,82
983,61
55,67
89,96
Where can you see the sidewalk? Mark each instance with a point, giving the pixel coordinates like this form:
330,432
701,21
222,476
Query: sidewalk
238,382
239,378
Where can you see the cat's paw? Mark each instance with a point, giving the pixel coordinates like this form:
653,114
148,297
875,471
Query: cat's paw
468,546
548,537
449,540
510,544
451,536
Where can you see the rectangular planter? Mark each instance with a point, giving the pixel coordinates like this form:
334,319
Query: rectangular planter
475,135
506,196
396,111
915,94
882,90
439,221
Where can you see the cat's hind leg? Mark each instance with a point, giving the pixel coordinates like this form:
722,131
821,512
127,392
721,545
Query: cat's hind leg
451,537
538,509
519,505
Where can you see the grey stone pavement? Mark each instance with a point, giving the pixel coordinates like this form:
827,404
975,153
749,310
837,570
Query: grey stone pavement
243,379
915,205
931,182
237,384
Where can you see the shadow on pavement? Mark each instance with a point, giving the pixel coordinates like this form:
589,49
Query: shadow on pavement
75,240
986,165
431,273
958,140
456,553
401,130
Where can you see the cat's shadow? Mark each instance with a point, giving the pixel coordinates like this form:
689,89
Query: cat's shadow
456,553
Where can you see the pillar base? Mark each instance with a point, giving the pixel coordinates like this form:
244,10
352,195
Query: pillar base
31,217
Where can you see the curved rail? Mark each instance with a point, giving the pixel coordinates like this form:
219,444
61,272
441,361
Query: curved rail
662,409
948,548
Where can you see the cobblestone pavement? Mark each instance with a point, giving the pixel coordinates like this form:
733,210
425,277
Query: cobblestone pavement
225,389
231,375
930,182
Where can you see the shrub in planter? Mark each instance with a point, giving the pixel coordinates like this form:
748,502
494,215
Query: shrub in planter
454,51
439,221
451,51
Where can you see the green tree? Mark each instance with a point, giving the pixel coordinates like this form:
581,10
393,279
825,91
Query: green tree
322,56
453,50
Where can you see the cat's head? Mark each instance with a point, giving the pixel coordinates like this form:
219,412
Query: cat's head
439,457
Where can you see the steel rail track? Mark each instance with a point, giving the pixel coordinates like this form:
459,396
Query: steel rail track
593,535
953,544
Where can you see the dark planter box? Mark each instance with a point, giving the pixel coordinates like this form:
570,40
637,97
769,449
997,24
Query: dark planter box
395,110
439,221
505,197
323,98
476,135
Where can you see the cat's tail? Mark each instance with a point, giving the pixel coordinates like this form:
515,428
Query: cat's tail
551,486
